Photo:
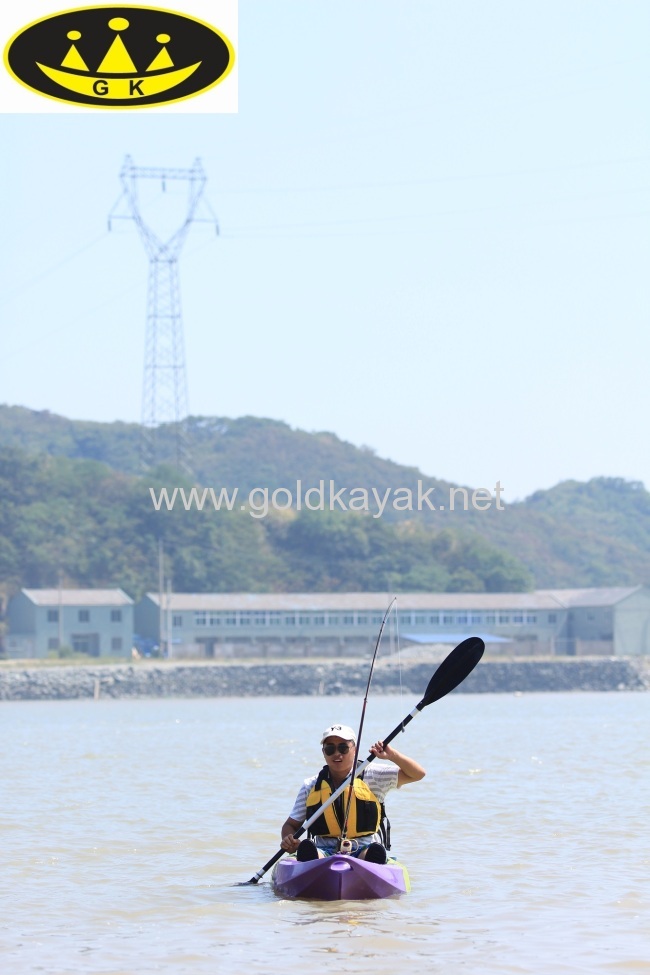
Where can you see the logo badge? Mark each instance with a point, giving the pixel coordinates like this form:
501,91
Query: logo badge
119,57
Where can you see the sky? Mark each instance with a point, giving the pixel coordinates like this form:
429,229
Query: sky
434,239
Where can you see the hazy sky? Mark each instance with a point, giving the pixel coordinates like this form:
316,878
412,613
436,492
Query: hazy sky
434,239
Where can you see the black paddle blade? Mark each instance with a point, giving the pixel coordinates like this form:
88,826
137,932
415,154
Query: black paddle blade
454,669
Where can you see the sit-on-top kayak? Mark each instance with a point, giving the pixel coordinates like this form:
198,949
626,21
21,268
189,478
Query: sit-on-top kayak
339,878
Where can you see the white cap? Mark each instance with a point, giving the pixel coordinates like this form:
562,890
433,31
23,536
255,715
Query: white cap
339,731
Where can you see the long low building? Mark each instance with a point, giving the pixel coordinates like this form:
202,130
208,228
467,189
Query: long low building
612,621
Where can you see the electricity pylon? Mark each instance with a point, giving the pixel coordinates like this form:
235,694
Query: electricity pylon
164,394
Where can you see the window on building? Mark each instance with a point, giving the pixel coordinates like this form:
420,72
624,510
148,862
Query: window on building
517,619
405,619
290,620
116,643
490,618
53,643
200,619
52,616
504,618
304,620
552,618
420,619
362,619
275,618
214,619
447,619
319,620
376,619
245,618
259,619
116,616
462,619
476,618
348,621
434,618
84,616
230,619
177,620
531,619
334,620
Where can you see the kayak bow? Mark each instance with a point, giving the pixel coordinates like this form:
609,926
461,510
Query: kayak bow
339,878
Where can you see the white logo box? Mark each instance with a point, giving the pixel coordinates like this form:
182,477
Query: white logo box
16,99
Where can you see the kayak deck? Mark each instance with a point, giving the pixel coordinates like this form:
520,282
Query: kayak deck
339,877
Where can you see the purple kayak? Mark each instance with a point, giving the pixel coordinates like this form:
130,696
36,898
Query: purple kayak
339,878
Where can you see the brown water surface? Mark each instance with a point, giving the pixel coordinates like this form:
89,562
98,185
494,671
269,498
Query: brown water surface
125,825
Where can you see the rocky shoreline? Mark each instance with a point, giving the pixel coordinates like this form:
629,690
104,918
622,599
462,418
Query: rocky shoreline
167,679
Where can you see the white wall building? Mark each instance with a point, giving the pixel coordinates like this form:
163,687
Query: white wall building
98,622
566,622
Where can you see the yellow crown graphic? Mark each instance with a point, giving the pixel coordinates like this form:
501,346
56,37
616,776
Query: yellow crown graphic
117,61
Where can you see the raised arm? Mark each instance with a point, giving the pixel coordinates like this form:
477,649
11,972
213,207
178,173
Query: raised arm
409,769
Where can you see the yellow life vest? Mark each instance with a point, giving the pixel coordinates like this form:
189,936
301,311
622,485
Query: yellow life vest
366,812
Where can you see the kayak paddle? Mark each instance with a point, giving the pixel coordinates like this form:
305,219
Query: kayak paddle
452,671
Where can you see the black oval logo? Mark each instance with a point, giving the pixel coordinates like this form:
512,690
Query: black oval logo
119,57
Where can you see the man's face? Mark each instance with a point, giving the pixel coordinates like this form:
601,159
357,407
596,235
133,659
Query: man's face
340,763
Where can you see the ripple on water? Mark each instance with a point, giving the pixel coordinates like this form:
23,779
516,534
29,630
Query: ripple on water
128,825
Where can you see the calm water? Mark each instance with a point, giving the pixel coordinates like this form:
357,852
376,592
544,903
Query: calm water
125,824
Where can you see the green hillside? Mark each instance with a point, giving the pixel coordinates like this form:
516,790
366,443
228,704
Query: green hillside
246,452
75,500
98,527
579,534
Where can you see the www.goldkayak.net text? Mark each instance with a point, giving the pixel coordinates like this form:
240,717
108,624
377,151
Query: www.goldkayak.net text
260,501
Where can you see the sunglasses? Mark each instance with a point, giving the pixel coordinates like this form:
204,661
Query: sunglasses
342,747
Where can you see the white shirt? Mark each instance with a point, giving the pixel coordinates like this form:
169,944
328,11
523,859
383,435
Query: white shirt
380,779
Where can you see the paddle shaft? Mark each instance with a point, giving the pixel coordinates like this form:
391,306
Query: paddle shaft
328,802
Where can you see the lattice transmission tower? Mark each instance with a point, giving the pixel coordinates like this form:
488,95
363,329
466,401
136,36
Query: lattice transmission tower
164,394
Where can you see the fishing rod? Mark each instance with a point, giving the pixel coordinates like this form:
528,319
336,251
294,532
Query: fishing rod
345,845
452,671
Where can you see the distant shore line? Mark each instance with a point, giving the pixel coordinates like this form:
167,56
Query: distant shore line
289,678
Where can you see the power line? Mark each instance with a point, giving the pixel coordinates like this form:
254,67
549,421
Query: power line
50,270
432,180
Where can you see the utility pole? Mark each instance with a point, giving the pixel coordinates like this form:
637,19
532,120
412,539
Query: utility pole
59,617
161,604
169,619
164,394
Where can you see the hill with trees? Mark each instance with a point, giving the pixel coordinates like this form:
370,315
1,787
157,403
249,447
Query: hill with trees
75,501
98,527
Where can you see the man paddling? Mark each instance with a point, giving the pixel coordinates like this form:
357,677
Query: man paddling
366,824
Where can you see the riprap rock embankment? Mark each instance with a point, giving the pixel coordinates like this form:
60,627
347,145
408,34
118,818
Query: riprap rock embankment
150,679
